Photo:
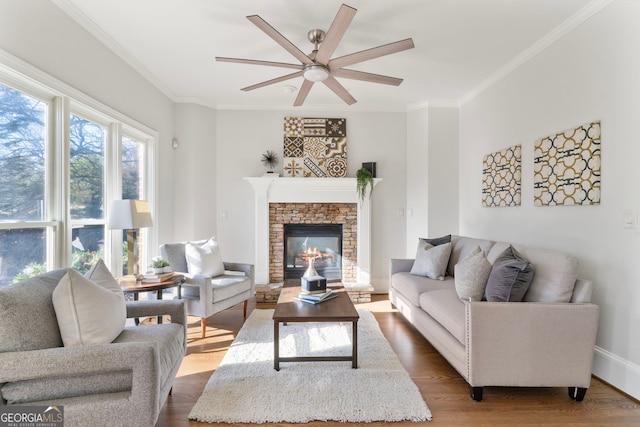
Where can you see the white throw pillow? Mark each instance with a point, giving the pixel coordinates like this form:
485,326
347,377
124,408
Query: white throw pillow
471,275
204,260
87,312
431,261
101,275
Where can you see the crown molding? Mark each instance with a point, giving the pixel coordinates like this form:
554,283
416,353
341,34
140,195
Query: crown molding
556,34
89,25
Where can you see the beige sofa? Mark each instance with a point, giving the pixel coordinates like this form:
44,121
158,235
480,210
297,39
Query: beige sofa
545,341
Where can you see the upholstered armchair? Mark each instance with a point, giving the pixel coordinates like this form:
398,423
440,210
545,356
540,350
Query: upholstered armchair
206,295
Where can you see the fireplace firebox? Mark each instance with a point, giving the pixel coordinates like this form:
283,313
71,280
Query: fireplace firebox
319,243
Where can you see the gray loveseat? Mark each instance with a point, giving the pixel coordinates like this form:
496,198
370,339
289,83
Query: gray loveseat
123,383
545,341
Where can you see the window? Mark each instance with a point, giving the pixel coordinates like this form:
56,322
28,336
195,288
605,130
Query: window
61,164
23,180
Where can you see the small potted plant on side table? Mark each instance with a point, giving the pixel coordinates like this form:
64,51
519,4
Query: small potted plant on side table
159,265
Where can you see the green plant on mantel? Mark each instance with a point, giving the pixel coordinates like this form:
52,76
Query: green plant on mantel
364,179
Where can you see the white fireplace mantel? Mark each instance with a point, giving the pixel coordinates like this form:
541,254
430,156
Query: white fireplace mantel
309,190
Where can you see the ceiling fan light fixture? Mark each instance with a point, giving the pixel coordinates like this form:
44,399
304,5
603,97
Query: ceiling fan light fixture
315,73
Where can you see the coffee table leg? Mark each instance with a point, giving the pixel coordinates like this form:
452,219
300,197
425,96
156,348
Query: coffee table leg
354,351
276,345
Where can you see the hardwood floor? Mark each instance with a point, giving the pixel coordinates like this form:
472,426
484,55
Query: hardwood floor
444,391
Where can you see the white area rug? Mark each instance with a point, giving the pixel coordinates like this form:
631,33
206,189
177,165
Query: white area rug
246,389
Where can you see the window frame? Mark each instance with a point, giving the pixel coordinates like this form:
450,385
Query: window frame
63,100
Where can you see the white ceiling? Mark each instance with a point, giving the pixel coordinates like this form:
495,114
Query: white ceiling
462,46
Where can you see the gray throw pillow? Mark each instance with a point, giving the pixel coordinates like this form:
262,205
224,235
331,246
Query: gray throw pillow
431,261
437,240
471,275
510,277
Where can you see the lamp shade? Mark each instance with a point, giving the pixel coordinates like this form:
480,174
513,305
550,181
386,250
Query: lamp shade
129,214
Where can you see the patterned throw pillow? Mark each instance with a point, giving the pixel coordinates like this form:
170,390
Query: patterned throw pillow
510,278
431,261
471,275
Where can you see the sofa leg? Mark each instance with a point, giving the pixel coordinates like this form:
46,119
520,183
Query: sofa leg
171,391
246,303
476,393
577,393
203,326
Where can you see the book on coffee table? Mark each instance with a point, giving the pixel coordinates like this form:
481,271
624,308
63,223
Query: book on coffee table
315,298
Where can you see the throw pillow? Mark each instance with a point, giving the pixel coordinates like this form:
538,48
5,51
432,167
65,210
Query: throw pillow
431,261
101,275
510,277
204,260
87,313
471,275
436,241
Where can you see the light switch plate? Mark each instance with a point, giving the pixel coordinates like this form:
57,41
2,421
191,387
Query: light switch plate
630,219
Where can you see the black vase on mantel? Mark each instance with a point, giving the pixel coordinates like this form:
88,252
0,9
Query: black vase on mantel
371,167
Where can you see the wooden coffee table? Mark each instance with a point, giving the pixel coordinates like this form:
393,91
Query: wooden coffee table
339,309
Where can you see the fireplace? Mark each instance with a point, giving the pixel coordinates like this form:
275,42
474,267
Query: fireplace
321,199
319,244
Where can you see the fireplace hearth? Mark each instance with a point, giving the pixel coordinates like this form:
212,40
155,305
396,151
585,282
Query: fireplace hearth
320,244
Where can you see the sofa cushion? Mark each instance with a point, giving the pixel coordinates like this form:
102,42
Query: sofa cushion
411,286
27,318
65,387
167,338
447,309
510,277
471,275
204,259
431,261
555,277
87,313
227,286
461,247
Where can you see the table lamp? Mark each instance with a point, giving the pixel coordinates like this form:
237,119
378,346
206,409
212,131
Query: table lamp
130,215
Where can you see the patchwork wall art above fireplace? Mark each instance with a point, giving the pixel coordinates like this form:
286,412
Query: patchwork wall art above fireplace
501,177
566,167
315,147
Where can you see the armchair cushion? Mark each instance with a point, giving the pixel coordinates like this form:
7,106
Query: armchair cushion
204,259
87,313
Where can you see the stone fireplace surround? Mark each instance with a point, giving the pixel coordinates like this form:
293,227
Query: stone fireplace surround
345,214
272,190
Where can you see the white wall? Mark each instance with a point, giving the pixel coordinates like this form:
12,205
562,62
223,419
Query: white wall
589,74
194,182
443,172
431,175
242,137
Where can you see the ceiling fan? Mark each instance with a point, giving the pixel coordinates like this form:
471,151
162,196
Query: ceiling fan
319,66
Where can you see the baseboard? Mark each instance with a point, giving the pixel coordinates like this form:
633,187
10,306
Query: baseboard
618,372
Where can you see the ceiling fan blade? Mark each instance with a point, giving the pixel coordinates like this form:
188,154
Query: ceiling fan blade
366,77
258,62
302,93
335,33
272,81
339,90
279,38
374,52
